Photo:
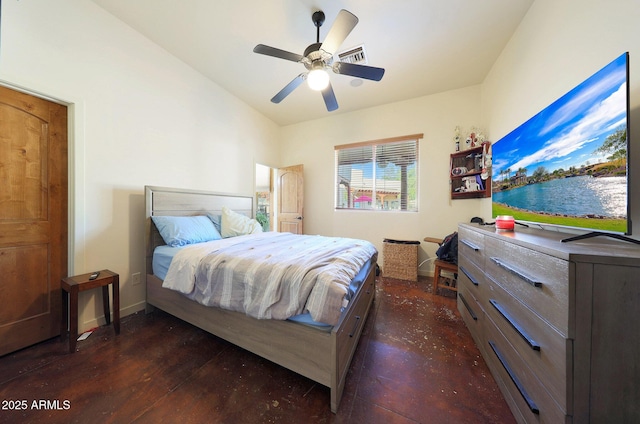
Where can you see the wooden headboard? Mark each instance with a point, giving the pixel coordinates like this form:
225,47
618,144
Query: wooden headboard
183,202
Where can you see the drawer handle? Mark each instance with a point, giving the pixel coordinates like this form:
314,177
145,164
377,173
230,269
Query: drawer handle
469,276
514,271
532,343
470,245
355,326
473,315
532,405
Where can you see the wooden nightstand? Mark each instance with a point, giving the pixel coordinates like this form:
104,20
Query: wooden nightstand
72,286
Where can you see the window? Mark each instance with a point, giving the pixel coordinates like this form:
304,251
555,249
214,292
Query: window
378,175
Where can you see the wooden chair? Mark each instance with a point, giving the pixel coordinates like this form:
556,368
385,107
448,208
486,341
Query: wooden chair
439,266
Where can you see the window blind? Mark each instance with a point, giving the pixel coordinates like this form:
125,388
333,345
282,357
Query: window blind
378,175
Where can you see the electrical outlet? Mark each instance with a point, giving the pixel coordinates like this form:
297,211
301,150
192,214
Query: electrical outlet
135,279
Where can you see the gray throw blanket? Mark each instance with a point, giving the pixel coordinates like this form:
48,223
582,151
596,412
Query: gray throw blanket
279,275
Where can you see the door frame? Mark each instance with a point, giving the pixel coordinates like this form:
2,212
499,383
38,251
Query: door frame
273,194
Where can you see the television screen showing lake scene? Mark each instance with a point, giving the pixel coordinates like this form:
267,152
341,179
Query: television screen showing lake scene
568,164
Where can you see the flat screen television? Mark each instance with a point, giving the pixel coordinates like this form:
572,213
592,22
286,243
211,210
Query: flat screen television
567,165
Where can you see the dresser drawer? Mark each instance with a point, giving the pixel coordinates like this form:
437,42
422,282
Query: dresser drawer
539,280
541,347
354,321
472,274
472,313
471,246
523,389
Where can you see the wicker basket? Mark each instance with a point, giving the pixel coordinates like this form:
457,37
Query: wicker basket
400,259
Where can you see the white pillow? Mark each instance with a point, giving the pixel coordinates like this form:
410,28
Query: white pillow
235,224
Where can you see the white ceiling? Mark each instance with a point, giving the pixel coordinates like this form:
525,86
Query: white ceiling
425,46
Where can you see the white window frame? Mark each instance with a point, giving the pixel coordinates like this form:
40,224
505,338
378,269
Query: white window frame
344,193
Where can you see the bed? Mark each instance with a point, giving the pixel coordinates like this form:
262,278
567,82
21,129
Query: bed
321,353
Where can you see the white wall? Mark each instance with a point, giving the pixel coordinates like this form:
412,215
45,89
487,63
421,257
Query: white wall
558,45
312,144
138,117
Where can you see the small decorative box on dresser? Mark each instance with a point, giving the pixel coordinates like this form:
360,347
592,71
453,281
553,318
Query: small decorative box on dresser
557,323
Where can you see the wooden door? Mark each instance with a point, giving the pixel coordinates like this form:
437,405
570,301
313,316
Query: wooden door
290,203
33,218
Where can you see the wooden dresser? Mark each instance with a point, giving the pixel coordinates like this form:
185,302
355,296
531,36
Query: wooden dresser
557,323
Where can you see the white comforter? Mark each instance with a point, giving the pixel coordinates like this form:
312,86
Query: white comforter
271,275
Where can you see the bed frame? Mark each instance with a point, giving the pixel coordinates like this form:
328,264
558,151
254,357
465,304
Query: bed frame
322,356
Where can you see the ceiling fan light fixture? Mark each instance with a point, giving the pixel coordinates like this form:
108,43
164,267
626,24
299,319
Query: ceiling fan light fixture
318,79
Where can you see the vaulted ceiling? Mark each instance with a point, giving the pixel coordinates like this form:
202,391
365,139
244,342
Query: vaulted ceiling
425,46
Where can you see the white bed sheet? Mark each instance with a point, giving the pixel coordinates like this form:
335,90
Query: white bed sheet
163,256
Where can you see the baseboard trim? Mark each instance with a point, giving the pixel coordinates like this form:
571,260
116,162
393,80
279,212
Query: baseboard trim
100,320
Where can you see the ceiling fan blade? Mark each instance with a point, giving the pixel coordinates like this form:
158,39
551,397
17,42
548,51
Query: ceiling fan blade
341,28
281,54
289,88
360,71
330,98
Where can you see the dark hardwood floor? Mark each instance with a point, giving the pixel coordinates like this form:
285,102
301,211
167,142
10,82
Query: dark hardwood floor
416,362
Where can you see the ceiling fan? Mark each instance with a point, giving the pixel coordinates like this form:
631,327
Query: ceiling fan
318,58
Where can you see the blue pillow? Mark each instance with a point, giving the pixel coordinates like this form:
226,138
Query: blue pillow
183,230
